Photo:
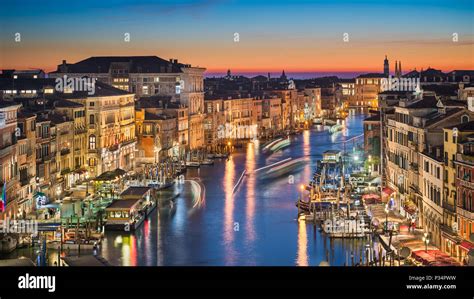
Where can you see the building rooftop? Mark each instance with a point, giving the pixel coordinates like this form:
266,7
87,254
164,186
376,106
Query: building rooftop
372,75
123,203
468,126
428,101
132,64
135,191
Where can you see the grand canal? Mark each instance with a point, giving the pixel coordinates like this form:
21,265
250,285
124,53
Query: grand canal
255,225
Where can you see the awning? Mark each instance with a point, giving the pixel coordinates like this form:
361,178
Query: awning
110,175
410,207
387,191
466,245
376,181
49,206
434,258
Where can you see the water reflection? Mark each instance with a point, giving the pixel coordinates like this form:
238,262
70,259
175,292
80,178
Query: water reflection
229,225
250,194
253,226
302,256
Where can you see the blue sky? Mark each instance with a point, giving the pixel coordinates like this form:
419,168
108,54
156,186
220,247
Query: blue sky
188,30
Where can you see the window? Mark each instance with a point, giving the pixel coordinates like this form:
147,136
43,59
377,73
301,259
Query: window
92,144
92,162
465,119
91,119
446,136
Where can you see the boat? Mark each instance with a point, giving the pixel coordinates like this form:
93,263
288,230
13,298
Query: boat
211,156
317,121
129,212
336,128
221,155
268,145
284,168
329,122
207,162
276,145
193,164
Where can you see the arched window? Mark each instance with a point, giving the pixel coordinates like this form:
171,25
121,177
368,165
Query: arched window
465,119
92,143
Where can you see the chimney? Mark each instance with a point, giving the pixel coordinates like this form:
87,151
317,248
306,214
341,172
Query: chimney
175,61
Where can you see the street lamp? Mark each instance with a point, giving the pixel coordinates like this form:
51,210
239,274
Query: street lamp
426,240
302,190
87,183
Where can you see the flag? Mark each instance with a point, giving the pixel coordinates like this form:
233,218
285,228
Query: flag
4,197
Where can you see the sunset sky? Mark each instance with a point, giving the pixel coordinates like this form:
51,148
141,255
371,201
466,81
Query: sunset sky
298,36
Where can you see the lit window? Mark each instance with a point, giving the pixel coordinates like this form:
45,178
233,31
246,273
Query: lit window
92,144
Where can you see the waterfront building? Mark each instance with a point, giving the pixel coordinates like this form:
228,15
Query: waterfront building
214,123
465,193
26,155
372,141
156,136
149,76
412,128
348,92
271,116
110,123
62,140
239,121
367,88
8,159
314,94
288,110
79,162
432,190
455,137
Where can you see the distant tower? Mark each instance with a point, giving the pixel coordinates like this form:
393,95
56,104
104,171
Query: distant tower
400,68
396,68
283,76
228,74
386,67
268,76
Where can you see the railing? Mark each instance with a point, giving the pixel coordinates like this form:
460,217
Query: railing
448,207
65,151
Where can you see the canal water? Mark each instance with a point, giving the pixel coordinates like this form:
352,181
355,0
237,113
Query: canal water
255,225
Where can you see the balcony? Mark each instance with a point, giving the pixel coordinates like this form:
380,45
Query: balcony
413,145
465,158
6,150
414,167
448,207
65,151
461,211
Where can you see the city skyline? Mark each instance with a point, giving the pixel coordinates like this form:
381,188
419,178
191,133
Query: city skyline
299,37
